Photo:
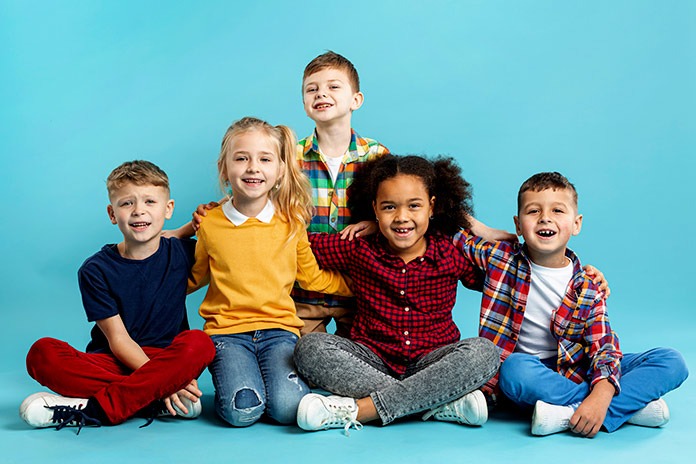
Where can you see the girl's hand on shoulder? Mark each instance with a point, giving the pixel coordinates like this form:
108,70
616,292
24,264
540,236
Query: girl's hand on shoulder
201,212
361,229
490,234
598,278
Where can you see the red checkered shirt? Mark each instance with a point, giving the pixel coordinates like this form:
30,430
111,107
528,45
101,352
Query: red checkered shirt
404,309
587,347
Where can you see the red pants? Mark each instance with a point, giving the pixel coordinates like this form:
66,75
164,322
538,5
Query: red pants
120,391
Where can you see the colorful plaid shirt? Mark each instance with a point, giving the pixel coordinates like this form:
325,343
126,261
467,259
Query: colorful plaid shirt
404,309
331,213
587,347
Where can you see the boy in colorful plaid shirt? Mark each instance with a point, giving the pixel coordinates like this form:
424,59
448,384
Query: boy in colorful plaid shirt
550,322
330,157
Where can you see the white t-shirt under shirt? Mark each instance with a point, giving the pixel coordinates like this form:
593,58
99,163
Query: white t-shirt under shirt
547,289
334,164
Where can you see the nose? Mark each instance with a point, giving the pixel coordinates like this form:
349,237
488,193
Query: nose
544,217
401,215
139,208
252,166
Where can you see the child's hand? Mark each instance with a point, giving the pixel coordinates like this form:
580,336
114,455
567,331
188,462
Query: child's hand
598,278
201,212
490,234
190,391
589,416
361,229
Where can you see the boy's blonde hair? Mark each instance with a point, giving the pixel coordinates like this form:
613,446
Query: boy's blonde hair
138,172
292,199
333,60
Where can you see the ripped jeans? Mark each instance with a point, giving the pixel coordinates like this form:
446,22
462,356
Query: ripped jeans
253,373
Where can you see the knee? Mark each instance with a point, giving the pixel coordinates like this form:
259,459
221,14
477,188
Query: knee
199,346
282,404
39,355
307,350
675,363
243,409
510,378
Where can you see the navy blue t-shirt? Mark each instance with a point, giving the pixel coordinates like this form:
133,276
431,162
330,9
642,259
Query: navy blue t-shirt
148,294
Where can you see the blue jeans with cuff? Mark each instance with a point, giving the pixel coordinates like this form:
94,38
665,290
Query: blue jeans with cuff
253,373
645,377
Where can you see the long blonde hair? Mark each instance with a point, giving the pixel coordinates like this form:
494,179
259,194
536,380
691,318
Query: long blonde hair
292,198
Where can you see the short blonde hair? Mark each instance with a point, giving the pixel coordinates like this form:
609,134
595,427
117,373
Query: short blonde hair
138,172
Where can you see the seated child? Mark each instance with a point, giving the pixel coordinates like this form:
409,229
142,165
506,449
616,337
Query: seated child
141,350
404,355
550,322
250,252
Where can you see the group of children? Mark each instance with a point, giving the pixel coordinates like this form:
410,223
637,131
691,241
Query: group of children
273,255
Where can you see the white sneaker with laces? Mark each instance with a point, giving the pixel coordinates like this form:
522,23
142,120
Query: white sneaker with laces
654,414
551,418
46,409
318,412
470,409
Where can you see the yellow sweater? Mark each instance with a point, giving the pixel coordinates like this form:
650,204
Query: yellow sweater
250,270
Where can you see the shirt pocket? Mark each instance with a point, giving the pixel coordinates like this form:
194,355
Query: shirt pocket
570,325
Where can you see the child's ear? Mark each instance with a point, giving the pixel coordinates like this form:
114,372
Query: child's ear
170,209
374,208
432,207
577,224
518,231
110,212
357,101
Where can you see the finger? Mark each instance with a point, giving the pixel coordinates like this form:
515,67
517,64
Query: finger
179,404
211,205
607,292
193,391
168,404
593,431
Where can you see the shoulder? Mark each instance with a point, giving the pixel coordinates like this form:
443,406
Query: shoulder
104,257
587,291
372,146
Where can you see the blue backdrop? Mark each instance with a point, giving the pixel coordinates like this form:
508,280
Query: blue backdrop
603,92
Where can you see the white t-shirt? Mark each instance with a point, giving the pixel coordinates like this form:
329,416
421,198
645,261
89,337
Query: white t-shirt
547,289
334,164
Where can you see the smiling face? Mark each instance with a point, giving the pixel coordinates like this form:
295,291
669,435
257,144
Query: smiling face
252,167
140,211
403,209
328,96
547,219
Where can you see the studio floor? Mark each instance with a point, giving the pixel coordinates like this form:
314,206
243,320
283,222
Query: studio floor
505,438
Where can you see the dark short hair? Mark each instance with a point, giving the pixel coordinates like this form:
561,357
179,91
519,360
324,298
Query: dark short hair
546,180
138,172
333,60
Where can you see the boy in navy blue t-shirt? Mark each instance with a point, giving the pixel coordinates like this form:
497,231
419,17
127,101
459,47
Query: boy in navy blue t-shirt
141,350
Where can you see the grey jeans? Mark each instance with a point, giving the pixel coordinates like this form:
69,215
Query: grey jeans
347,368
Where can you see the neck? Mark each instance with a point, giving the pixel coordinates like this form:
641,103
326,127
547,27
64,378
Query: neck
552,260
138,251
250,208
334,138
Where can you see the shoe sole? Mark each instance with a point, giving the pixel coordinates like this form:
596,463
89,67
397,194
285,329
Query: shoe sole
482,409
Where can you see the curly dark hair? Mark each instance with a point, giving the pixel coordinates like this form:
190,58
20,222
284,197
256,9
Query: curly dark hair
442,179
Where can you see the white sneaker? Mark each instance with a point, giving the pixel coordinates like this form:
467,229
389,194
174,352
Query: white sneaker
318,412
470,409
194,409
45,409
654,414
551,418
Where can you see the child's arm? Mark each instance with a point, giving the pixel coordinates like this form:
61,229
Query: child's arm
202,211
476,249
488,233
185,231
361,229
589,416
121,344
310,276
200,271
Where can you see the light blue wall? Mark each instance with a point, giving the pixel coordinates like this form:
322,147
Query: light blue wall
602,91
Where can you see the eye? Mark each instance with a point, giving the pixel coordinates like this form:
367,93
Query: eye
414,205
310,89
532,211
387,207
151,202
334,86
266,159
126,203
240,158
558,210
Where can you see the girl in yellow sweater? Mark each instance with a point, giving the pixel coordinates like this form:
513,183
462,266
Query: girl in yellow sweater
250,251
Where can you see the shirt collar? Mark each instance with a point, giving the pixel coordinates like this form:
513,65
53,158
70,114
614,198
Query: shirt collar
578,273
355,149
238,218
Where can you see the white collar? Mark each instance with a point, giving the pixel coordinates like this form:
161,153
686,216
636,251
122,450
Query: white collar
238,218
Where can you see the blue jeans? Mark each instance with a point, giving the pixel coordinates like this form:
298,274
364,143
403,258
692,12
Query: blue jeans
253,372
347,368
644,377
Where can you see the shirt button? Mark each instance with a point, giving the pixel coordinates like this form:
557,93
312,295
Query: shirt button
402,292
403,271
422,259
408,342
407,309
405,332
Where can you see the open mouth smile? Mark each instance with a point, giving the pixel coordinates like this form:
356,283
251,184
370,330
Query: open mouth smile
140,225
546,233
322,106
402,231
